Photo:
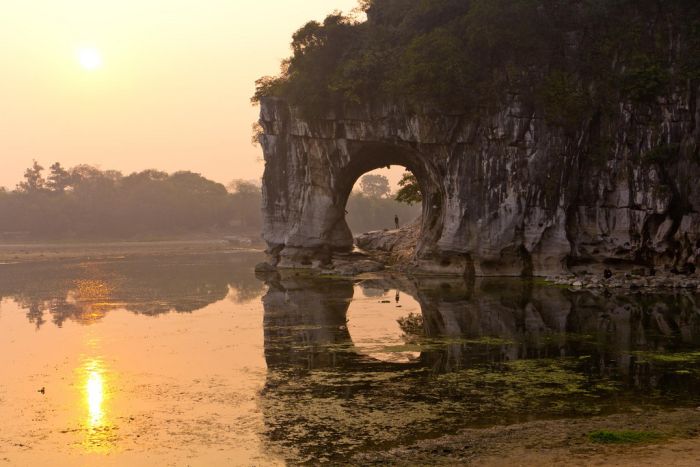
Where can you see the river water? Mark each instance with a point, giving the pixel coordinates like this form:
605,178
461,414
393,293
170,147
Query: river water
192,360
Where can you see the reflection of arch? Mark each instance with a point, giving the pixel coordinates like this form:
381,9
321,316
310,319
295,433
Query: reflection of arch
374,323
306,319
321,399
305,325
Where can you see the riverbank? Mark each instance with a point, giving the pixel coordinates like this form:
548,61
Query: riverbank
665,438
395,249
11,253
630,280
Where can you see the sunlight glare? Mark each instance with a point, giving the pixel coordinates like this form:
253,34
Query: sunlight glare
99,434
94,389
89,58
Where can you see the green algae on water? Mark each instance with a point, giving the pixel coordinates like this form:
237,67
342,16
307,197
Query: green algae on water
623,437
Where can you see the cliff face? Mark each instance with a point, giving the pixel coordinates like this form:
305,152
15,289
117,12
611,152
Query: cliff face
505,192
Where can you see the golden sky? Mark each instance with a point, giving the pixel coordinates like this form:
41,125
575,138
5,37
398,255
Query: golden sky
172,91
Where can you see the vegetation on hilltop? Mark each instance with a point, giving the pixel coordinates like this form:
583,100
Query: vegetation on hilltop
570,58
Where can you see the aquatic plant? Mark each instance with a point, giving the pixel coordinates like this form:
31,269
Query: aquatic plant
623,437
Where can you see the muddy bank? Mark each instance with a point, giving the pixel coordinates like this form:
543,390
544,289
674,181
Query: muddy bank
559,442
11,253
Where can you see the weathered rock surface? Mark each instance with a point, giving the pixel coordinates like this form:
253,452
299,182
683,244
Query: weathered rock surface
505,193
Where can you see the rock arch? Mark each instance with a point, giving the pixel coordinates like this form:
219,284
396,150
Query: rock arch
505,192
309,175
318,228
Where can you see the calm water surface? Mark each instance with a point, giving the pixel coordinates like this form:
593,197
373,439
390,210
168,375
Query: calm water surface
192,360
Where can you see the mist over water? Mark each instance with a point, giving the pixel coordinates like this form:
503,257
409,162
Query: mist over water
167,360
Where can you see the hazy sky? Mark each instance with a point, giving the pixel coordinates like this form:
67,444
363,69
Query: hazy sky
173,91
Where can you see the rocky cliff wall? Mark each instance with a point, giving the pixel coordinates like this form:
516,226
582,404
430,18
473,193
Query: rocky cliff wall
505,192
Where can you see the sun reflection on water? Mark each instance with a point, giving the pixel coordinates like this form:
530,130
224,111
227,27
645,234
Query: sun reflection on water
94,389
99,431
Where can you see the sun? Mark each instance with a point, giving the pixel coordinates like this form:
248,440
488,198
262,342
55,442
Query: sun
89,58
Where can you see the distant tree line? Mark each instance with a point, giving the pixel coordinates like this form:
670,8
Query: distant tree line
85,202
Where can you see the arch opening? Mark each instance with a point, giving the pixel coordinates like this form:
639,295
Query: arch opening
372,204
351,219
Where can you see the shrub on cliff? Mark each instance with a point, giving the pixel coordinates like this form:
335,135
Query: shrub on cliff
570,58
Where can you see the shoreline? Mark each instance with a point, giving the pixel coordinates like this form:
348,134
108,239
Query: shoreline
353,266
360,267
34,252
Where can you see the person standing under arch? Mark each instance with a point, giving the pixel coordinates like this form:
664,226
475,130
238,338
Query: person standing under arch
396,221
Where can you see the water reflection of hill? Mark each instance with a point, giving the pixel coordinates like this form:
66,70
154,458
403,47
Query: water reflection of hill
494,351
85,291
